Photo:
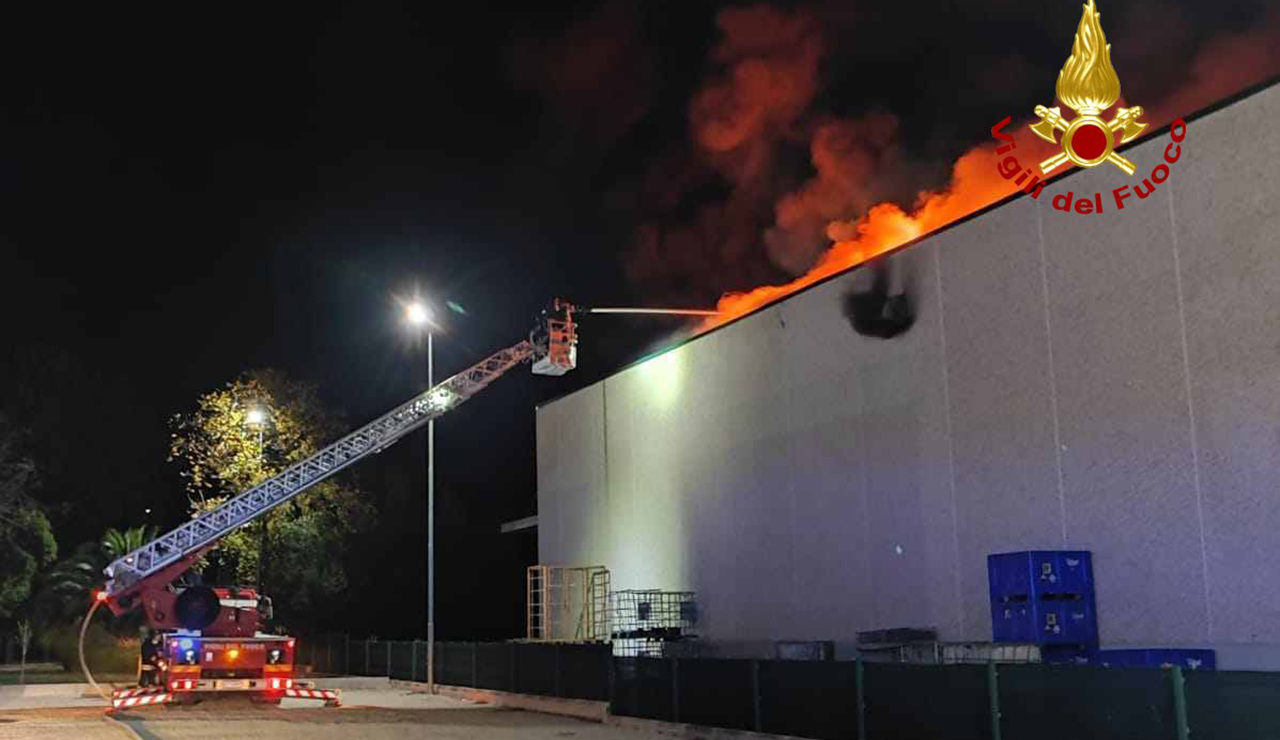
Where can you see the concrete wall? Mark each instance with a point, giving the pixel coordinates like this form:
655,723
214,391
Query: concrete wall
1104,382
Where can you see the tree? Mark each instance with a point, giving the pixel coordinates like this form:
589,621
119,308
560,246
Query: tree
26,546
224,449
24,639
18,477
64,588
117,544
26,538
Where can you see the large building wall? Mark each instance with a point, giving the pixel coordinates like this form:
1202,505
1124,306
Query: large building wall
1103,382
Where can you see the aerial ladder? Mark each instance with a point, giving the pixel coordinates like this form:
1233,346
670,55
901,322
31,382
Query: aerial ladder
209,638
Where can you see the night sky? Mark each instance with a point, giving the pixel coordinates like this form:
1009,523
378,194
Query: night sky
188,195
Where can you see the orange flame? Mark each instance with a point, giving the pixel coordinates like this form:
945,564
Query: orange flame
975,184
1087,81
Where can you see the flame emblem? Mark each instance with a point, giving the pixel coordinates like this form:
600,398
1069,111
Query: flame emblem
1088,85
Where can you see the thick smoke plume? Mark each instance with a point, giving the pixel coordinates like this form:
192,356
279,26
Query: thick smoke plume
769,75
765,79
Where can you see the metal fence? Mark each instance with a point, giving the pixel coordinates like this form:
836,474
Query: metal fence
843,699
561,670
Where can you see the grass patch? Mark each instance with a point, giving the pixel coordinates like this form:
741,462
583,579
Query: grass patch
39,677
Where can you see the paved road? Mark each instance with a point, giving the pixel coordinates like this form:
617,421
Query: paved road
387,714
58,724
49,696
378,724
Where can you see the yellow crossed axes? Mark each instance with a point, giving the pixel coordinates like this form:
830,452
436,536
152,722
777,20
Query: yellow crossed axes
1051,118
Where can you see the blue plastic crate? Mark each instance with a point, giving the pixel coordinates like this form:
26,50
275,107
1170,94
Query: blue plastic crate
1014,622
1188,658
1069,654
1039,573
1128,658
1070,622
1043,596
1045,622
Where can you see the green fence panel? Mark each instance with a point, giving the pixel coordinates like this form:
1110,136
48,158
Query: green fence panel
493,665
908,702
320,659
716,693
361,652
536,668
642,688
423,660
454,663
402,661
808,699
584,671
342,666
377,658
1039,702
1239,704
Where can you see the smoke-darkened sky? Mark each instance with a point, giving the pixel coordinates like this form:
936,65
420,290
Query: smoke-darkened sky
190,193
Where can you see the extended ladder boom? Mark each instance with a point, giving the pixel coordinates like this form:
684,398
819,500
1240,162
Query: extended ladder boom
551,348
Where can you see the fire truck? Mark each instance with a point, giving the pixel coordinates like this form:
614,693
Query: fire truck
211,636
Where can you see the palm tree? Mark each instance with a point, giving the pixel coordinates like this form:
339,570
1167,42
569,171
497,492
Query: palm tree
64,589
117,544
64,593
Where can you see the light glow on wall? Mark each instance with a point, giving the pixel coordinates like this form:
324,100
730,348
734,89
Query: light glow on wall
662,378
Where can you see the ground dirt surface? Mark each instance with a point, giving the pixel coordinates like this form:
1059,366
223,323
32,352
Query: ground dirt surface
85,723
376,715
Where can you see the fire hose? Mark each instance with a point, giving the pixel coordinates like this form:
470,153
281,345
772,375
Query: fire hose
84,629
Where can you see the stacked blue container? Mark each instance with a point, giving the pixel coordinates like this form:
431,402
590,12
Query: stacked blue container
1043,597
1188,659
1046,597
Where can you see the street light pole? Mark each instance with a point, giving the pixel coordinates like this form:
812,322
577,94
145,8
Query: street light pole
262,545
257,417
421,317
431,530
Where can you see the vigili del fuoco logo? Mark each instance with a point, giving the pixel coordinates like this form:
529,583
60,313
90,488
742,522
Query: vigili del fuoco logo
1088,86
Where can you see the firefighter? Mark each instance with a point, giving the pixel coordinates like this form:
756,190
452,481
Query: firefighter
152,654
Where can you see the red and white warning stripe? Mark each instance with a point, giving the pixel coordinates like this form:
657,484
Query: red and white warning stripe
142,691
330,695
139,701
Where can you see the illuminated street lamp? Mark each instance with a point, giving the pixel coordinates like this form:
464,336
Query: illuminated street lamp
420,317
418,314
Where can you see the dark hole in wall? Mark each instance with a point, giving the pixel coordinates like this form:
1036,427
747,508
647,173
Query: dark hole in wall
877,313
